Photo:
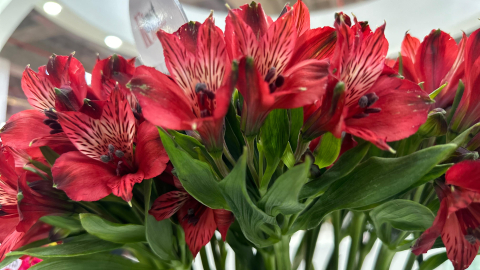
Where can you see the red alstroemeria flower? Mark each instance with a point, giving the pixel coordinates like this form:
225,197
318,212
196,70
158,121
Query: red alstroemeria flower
105,161
23,205
279,66
28,262
435,61
58,86
197,95
197,220
458,219
468,111
109,72
370,101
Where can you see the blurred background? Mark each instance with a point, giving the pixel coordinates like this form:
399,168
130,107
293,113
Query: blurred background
31,30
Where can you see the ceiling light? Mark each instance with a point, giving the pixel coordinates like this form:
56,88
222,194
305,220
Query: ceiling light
113,42
52,8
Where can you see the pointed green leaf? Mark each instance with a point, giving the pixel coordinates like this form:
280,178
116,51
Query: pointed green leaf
196,176
434,261
373,181
282,197
65,222
344,165
91,262
161,239
193,147
288,158
328,150
74,246
248,215
50,155
296,123
113,232
437,91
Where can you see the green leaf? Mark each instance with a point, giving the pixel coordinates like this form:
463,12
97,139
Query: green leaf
196,176
344,165
75,246
274,138
288,158
433,174
456,102
434,261
193,147
248,215
161,239
113,232
403,215
8,260
296,123
66,222
50,155
328,150
282,197
373,181
90,262
437,91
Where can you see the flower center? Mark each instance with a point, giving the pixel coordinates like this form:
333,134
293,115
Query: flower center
205,98
473,234
274,83
190,217
365,102
116,158
52,122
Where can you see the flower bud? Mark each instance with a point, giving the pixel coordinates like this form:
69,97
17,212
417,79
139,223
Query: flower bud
436,124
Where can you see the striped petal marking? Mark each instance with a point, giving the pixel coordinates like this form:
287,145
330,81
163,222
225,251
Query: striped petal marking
38,88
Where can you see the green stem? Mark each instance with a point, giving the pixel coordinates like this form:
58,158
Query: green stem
138,210
221,165
217,256
356,226
203,256
228,155
384,258
250,142
260,165
300,254
311,241
282,254
410,261
147,191
268,259
302,146
337,233
93,208
365,249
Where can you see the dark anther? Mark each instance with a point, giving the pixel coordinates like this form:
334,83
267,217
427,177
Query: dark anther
55,126
55,131
363,102
373,110
190,217
239,108
360,115
372,98
105,158
471,239
49,121
2,213
50,114
119,153
200,87
204,113
270,74
111,148
279,81
191,211
272,87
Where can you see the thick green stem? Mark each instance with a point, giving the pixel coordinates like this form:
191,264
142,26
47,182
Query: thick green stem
282,254
220,165
250,142
311,241
410,261
337,233
384,258
268,259
357,225
217,256
203,256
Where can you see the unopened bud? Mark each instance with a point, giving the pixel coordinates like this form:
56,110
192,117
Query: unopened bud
436,124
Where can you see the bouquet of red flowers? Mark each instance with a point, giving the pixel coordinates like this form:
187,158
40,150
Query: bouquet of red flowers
261,131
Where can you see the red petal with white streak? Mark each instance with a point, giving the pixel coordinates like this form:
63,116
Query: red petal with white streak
302,17
240,38
38,88
168,204
92,136
410,46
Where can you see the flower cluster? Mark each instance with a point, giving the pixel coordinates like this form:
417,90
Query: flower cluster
259,131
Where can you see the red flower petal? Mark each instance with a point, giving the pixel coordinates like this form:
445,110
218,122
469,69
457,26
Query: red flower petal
254,17
318,43
38,88
92,137
199,225
240,37
107,72
23,127
168,204
302,17
404,107
81,177
410,46
163,102
122,187
150,156
223,219
435,58
465,174
427,239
